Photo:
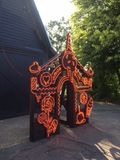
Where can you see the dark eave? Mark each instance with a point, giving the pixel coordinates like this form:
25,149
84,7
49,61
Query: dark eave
39,27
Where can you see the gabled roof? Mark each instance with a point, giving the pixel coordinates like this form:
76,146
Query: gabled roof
21,27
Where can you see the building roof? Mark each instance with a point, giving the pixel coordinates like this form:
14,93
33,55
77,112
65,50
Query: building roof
24,28
23,39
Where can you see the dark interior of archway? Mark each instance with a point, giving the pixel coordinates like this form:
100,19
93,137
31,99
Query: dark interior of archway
67,100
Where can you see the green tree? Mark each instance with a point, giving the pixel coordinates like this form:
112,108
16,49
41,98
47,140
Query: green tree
57,31
96,38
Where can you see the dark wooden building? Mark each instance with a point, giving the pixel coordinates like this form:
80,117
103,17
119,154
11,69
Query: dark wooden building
23,39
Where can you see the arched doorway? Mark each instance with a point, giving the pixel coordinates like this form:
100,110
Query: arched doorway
67,104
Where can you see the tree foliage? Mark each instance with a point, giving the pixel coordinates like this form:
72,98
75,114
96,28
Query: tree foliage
57,32
96,38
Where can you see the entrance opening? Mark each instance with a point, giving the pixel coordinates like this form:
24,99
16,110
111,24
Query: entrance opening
67,100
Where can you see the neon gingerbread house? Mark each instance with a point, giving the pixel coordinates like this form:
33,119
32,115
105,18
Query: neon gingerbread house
48,83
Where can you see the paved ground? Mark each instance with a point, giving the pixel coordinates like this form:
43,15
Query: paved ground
98,140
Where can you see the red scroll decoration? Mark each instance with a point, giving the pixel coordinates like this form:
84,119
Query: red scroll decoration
47,104
47,85
83,98
69,62
80,119
89,107
34,68
44,118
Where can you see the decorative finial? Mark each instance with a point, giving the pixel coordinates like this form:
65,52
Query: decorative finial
68,42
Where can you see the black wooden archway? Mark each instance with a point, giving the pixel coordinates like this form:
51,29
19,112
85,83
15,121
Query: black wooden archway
47,84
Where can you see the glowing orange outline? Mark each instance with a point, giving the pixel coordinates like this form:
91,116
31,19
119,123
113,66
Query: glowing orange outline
46,86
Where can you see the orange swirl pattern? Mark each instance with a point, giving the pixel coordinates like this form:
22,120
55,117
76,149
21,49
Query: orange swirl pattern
48,103
48,83
83,98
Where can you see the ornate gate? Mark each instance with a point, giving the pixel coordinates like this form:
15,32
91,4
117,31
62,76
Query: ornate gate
47,83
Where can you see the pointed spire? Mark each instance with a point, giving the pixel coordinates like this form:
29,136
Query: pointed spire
68,42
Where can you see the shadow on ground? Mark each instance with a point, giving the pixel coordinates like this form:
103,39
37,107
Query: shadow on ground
93,141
